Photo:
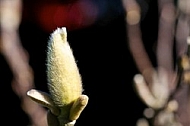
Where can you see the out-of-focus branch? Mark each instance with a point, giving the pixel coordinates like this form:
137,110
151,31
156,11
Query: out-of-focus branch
182,32
165,42
155,97
162,87
135,43
18,59
155,81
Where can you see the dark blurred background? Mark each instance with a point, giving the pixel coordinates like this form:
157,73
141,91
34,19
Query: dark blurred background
97,34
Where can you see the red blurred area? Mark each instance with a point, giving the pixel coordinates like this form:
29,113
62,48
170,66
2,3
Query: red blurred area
49,15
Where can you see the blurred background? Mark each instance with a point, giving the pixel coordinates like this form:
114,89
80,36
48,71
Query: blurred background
96,33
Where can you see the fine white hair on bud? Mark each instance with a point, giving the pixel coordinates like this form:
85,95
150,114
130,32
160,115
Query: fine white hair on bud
64,80
65,101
